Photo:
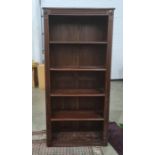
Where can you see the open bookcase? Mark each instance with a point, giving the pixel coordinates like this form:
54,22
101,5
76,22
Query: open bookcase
77,60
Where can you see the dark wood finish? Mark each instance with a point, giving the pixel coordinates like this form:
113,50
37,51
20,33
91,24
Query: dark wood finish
72,139
77,103
107,81
76,116
76,126
76,56
47,82
79,11
87,29
77,92
77,62
88,68
35,71
79,42
76,82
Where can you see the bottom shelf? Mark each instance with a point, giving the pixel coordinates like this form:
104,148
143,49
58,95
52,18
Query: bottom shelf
69,139
77,116
78,92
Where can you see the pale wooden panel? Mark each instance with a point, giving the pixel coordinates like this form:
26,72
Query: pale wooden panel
41,76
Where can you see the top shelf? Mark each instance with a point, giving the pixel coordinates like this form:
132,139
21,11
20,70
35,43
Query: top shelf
79,42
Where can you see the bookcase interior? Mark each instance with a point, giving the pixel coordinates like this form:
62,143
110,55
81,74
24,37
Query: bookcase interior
73,82
75,133
77,57
78,28
77,103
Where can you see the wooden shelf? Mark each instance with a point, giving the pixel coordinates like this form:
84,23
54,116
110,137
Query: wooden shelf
77,116
75,138
90,68
79,42
77,92
78,57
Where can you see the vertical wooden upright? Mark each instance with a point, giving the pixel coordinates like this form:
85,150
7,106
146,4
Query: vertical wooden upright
78,44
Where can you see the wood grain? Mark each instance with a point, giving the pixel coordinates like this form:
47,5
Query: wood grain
78,44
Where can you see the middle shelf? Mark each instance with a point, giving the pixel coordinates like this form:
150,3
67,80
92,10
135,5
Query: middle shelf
72,68
79,42
77,116
77,83
77,92
78,56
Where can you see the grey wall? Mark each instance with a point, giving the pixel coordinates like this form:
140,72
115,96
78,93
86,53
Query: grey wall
36,31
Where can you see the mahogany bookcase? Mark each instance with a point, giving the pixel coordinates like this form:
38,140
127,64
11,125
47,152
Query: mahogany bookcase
78,45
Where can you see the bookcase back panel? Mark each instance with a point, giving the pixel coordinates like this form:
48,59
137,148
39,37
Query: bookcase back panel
77,103
78,28
78,55
77,126
77,80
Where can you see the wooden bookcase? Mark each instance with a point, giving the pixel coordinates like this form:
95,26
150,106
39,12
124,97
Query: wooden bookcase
77,63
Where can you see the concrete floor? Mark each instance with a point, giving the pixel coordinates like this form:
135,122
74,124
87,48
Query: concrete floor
116,109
